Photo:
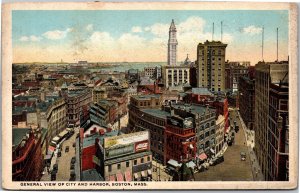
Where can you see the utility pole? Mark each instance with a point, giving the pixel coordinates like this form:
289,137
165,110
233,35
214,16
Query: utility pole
213,31
221,31
277,47
262,44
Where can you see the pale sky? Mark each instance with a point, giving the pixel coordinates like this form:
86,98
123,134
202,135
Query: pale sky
142,36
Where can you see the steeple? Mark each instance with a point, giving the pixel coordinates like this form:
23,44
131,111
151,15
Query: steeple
172,26
172,45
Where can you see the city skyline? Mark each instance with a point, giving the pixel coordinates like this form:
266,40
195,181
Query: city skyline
49,36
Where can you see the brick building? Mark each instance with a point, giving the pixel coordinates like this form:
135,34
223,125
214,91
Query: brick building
145,114
77,105
278,134
247,100
27,158
180,138
267,107
235,70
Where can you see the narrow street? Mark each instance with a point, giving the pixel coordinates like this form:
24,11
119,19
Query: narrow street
233,168
63,173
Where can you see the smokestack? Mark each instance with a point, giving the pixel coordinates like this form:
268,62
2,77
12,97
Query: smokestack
43,96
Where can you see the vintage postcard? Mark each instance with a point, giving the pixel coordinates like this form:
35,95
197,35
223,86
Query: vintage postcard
149,95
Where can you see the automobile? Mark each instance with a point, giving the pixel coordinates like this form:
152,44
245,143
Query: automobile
53,176
67,149
59,153
72,175
73,160
72,167
243,156
55,167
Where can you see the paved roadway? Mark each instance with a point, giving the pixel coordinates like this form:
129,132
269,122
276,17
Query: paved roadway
232,169
64,161
158,172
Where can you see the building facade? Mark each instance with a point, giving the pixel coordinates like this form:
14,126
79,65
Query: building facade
278,132
172,45
180,139
247,100
99,93
145,114
211,65
236,70
175,76
265,75
77,105
27,158
205,124
127,157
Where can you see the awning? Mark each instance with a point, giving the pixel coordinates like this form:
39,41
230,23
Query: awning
128,176
173,163
63,133
120,177
143,174
136,176
48,156
112,178
149,172
191,146
202,156
191,164
51,149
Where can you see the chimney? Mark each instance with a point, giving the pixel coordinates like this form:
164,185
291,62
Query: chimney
42,96
172,112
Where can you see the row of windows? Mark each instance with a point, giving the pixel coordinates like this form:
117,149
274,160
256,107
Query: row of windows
127,163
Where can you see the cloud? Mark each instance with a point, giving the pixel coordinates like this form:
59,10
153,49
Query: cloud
31,38
149,43
57,34
101,38
251,30
35,38
136,29
24,39
89,27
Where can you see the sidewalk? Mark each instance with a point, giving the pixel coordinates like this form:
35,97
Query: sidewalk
159,173
256,171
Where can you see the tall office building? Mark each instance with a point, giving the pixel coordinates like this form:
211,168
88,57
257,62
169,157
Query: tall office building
172,45
211,65
271,118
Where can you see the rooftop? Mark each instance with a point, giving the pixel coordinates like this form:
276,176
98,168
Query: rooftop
91,175
146,97
194,108
18,135
201,91
156,113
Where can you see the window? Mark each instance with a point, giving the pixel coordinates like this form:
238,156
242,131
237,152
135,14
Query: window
109,168
119,166
201,137
148,158
207,134
127,164
142,160
135,162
